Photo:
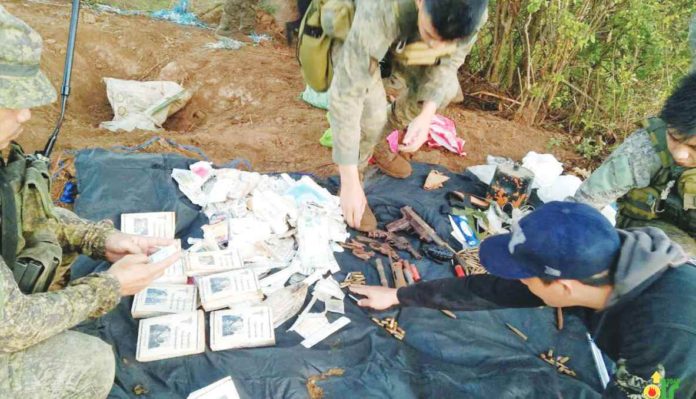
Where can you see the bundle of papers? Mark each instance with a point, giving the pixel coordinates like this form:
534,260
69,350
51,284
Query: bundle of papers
203,263
248,327
230,288
161,299
171,336
222,389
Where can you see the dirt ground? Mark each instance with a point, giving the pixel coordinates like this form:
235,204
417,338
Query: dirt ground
245,104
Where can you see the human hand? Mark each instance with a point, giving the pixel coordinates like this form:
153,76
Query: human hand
119,245
353,203
135,272
377,297
417,133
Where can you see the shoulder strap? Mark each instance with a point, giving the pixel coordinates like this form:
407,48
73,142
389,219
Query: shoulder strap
8,223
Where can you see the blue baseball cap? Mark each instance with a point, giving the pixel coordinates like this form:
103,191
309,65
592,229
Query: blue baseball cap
560,240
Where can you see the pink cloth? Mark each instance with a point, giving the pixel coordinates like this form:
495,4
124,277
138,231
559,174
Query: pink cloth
442,134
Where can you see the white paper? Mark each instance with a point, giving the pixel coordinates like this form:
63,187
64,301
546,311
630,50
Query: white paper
201,263
325,332
159,299
222,389
170,336
241,328
224,289
150,224
335,306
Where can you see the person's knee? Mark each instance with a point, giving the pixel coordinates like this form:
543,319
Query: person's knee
96,366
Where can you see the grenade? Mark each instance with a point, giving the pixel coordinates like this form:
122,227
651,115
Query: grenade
512,184
436,253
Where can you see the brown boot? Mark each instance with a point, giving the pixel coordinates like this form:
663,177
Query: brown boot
391,164
368,222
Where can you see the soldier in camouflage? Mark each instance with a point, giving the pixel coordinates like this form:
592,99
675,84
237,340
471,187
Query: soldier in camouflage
39,357
651,174
238,16
358,107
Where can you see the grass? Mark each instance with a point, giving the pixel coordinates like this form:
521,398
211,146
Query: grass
152,5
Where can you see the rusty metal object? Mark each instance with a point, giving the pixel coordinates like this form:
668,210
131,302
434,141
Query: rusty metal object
512,184
559,318
408,274
381,247
396,241
382,275
412,221
398,272
559,362
391,326
358,249
353,278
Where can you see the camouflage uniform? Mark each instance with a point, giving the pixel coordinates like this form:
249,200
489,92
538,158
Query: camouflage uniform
358,107
238,16
632,165
38,357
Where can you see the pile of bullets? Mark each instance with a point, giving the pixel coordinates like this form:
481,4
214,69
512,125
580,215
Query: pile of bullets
471,262
559,362
353,278
391,326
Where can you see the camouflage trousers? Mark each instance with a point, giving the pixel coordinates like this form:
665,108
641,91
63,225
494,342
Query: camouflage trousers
238,16
68,365
379,117
675,234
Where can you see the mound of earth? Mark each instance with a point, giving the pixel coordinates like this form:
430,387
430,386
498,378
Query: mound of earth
245,104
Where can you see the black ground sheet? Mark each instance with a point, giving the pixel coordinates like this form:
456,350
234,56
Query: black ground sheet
474,356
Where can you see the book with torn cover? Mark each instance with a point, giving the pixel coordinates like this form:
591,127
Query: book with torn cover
171,336
242,327
229,288
222,389
149,224
161,299
203,263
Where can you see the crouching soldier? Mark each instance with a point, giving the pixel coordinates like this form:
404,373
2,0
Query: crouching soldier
39,357
428,41
634,286
653,173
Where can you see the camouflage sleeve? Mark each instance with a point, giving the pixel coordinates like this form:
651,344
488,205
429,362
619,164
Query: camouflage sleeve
30,319
373,31
440,78
630,166
80,235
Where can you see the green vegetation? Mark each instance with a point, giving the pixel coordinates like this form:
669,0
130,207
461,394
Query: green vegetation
599,66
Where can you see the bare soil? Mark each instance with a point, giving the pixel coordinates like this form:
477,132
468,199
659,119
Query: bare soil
245,104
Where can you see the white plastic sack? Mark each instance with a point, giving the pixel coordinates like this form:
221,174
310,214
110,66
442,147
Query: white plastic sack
545,167
561,188
142,105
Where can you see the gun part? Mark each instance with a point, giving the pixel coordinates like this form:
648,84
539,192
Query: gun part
398,272
415,272
382,275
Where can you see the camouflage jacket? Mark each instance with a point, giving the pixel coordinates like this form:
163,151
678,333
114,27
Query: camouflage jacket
30,319
632,165
375,29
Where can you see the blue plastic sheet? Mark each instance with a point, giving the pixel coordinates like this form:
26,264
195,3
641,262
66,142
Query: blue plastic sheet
474,356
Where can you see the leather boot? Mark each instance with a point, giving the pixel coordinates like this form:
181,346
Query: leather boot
368,222
391,164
